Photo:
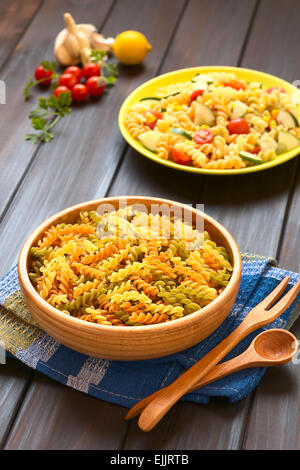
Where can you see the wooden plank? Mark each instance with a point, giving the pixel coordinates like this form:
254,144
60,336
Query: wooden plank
15,154
72,169
81,169
188,427
57,417
36,45
276,401
13,378
248,206
274,418
15,16
199,428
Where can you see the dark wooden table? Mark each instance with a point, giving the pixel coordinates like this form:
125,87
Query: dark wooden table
89,159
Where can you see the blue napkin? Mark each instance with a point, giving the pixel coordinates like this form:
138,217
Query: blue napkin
125,383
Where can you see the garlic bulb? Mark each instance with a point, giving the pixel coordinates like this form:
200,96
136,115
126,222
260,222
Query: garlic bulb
72,40
101,43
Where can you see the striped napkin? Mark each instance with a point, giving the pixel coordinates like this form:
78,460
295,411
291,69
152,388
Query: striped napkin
125,383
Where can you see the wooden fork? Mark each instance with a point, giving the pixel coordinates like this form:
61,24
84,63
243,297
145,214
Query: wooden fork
154,407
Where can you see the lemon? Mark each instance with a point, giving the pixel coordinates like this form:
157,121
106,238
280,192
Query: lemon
131,47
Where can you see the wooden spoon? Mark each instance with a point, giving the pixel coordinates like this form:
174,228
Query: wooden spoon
259,316
270,348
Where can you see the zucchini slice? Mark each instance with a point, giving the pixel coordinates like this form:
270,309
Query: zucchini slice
150,139
204,115
287,119
202,78
286,142
181,132
249,157
150,98
172,94
239,109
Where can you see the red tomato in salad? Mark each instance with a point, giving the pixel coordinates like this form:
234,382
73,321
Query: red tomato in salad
157,116
269,90
180,157
256,150
68,80
79,93
74,71
238,126
43,74
235,84
195,94
204,136
91,70
95,86
60,89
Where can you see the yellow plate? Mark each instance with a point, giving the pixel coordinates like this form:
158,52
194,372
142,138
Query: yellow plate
149,89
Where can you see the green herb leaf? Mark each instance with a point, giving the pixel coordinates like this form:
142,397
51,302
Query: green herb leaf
49,65
46,136
54,82
38,123
64,99
33,138
37,113
41,117
97,56
27,88
109,80
53,102
111,69
43,103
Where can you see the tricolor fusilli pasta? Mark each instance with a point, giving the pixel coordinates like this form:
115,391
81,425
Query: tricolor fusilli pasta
128,281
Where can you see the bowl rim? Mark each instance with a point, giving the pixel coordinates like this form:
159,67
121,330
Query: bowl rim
283,158
43,305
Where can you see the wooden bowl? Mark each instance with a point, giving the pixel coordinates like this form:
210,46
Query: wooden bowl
139,342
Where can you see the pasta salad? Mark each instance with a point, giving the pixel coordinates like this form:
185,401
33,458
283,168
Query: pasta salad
216,121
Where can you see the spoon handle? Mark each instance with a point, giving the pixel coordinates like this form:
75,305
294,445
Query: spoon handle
245,360
169,395
259,316
219,371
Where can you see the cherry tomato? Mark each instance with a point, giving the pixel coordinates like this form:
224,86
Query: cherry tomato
204,136
195,94
74,71
60,89
91,70
180,157
256,150
235,84
79,92
68,80
95,86
43,74
269,90
157,115
238,126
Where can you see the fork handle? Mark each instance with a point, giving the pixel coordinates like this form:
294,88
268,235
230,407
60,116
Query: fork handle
259,316
219,371
168,396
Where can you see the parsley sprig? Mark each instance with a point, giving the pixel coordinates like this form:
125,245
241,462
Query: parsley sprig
31,82
47,114
109,71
